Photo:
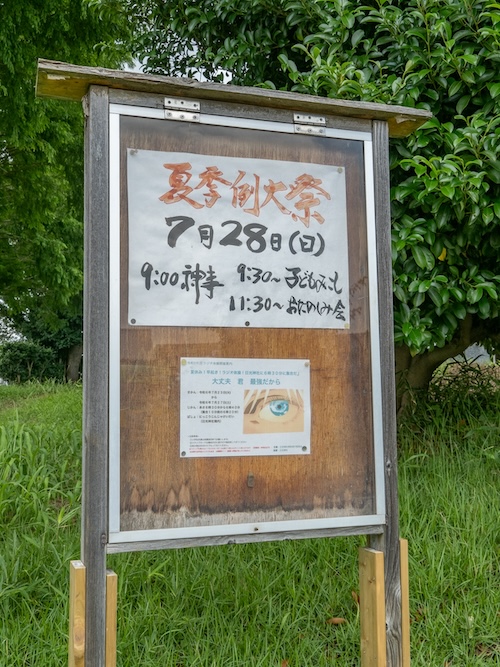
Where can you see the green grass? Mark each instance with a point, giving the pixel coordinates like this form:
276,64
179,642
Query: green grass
262,604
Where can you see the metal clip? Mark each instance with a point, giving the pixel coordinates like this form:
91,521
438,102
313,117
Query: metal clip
309,124
180,109
308,119
309,129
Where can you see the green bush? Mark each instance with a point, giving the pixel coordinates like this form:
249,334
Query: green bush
21,361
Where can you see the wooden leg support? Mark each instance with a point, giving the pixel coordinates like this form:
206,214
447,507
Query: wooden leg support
76,614
405,604
372,608
111,603
76,653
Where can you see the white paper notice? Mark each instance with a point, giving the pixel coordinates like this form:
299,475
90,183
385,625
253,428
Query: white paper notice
245,407
236,242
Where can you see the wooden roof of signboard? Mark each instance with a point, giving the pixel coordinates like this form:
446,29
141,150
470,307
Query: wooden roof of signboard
64,81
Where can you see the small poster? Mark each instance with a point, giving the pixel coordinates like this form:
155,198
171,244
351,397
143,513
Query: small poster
245,407
220,241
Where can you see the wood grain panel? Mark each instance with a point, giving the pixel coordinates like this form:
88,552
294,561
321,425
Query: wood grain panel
158,488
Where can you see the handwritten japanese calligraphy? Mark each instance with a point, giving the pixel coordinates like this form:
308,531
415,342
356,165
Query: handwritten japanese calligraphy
227,241
304,193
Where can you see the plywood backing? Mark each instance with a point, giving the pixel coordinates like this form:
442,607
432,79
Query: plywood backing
158,488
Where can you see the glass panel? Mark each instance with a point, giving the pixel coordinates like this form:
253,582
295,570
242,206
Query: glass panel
162,489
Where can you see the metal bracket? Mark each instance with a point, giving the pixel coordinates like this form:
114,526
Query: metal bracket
307,124
180,109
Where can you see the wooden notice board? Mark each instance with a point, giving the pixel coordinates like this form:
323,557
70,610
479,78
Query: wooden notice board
309,314
238,332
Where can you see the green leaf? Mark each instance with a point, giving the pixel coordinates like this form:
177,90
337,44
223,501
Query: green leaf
450,319
469,77
418,299
459,311
470,58
413,287
457,293
407,328
399,293
423,257
484,307
416,338
462,103
494,89
490,290
448,191
474,294
424,286
454,88
420,169
443,216
488,215
357,37
435,296
444,293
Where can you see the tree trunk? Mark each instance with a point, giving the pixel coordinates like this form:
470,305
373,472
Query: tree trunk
413,374
74,363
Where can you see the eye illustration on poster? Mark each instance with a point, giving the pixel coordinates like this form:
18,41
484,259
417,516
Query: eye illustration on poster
224,241
272,411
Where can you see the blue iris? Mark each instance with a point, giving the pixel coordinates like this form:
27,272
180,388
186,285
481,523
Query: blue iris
279,407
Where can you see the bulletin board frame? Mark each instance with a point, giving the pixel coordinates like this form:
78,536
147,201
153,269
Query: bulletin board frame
247,528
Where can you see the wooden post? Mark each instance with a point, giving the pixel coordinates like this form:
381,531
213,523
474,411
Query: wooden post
405,604
111,604
76,653
372,608
95,373
77,598
388,542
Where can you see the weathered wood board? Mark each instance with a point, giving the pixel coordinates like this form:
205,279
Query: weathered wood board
71,82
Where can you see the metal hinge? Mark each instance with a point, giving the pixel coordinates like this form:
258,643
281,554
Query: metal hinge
307,124
179,109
